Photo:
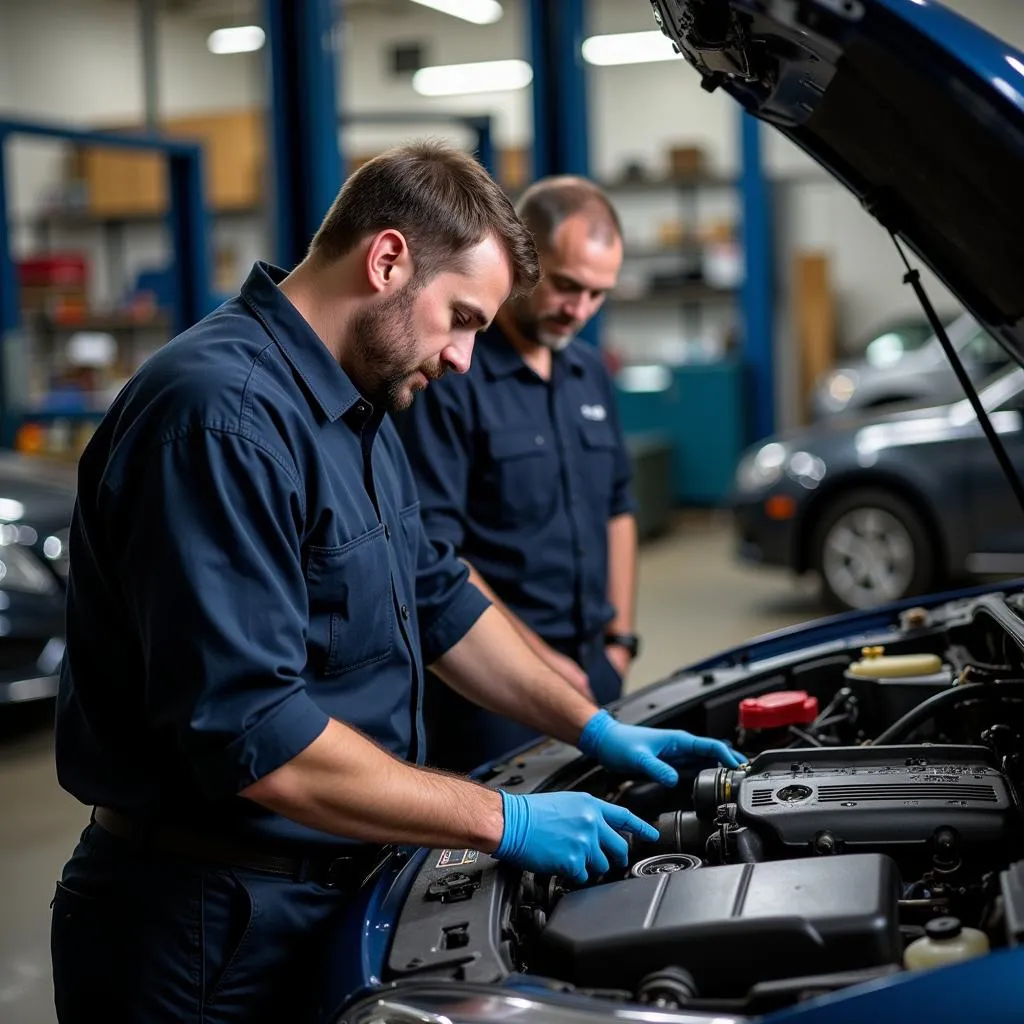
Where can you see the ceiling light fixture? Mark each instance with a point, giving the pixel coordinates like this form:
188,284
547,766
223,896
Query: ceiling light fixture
628,48
480,12
240,39
483,76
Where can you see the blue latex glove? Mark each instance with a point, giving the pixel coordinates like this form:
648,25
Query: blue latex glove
634,748
569,834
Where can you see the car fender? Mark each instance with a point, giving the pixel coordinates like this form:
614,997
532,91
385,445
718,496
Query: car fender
949,552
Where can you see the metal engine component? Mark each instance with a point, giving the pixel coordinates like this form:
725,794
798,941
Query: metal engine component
824,801
665,864
729,927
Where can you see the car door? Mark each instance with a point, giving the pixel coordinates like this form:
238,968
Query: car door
996,518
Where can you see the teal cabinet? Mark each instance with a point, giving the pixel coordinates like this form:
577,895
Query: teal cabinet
701,411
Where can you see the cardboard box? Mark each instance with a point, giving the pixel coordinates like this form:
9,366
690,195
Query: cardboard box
686,162
123,183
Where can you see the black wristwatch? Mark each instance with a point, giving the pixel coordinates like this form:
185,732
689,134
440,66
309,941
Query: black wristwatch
630,641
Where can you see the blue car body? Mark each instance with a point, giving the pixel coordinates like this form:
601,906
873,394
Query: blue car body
941,54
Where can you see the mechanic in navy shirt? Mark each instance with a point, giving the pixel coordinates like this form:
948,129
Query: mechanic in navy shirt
251,602
521,465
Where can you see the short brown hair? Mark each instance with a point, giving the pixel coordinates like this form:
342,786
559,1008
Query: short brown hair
442,201
549,201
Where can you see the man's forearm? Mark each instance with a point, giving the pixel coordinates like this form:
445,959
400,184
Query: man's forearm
493,667
622,544
346,785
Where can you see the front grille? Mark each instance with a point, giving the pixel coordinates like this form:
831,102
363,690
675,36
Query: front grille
978,793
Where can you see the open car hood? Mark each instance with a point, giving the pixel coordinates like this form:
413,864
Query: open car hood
916,110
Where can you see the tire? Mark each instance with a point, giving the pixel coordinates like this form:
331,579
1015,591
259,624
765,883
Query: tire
872,547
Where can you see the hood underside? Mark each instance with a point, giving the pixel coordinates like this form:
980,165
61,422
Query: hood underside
917,111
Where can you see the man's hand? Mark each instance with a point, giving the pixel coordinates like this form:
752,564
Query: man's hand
634,748
570,834
620,659
568,670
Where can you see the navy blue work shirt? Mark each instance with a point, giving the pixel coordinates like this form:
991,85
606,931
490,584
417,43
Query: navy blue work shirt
247,560
522,475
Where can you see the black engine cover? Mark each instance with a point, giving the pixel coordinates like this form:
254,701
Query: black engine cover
877,796
730,926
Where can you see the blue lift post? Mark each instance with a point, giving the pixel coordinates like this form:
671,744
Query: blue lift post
758,281
560,126
561,136
187,221
303,112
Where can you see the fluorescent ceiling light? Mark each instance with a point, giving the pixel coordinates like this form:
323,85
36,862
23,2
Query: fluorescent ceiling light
240,39
628,48
484,76
480,12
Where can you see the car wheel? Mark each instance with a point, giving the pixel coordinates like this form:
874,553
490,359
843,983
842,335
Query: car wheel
872,547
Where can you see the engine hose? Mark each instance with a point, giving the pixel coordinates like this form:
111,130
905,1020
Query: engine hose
947,698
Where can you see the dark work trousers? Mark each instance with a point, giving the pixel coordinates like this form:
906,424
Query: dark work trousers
462,736
141,939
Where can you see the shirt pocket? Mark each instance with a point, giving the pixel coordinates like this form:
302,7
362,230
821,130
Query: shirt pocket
351,624
599,445
525,473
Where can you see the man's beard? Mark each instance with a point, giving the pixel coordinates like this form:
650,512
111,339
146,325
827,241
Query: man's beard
536,330
384,335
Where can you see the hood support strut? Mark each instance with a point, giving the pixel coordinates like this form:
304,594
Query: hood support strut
913,278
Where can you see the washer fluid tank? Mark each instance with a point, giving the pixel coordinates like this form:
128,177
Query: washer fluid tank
890,685
876,664
945,941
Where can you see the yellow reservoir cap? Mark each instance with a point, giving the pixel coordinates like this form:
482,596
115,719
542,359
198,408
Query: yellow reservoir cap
894,666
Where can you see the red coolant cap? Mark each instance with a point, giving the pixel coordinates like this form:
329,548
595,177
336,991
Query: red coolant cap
776,710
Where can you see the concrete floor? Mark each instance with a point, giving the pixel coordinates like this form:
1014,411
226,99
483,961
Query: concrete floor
694,600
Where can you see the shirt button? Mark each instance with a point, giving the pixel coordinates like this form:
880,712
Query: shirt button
538,439
405,612
362,408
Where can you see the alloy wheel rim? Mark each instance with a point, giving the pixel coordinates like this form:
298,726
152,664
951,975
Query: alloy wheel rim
868,557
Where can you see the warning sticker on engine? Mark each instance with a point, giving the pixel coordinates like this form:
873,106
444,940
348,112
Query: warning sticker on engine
456,858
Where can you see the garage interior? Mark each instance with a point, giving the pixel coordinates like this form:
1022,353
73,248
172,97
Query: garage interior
752,281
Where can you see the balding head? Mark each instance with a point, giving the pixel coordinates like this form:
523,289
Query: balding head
548,203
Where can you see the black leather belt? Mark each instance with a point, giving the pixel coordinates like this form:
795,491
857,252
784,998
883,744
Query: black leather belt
337,871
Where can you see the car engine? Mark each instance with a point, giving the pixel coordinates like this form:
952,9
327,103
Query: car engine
878,811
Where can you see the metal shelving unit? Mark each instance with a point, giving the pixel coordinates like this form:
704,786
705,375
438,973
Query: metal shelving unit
189,284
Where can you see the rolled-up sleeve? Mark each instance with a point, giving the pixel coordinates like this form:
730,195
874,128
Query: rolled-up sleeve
437,434
211,568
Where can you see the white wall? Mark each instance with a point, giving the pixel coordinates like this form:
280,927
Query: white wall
367,84
80,60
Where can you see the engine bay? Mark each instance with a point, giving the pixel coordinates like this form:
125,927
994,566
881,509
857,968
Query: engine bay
876,824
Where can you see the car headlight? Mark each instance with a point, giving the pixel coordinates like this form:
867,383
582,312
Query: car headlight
762,468
840,385
20,571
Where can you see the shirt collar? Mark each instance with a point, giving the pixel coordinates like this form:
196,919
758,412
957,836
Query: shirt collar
328,385
499,358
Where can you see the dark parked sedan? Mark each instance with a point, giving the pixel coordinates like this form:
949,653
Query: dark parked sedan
36,501
887,506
